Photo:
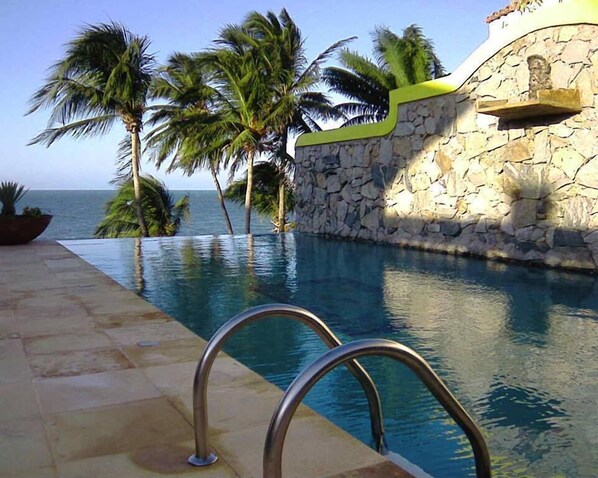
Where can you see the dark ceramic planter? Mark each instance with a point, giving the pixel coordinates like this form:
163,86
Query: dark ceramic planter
22,229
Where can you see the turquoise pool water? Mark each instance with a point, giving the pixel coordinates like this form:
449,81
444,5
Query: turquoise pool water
517,346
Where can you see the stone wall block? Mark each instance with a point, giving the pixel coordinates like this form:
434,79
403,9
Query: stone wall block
402,146
588,174
321,180
386,153
404,128
466,118
371,220
370,191
444,162
450,228
390,219
524,213
585,144
568,160
576,51
333,184
577,212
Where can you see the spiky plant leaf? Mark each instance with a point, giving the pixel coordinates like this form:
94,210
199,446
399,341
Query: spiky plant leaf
10,193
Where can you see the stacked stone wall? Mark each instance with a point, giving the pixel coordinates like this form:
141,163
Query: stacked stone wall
454,180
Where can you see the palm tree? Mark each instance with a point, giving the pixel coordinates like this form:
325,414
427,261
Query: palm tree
294,82
162,215
104,76
398,61
267,177
246,115
523,5
191,101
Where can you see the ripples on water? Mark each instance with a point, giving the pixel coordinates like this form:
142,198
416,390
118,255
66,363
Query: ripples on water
517,346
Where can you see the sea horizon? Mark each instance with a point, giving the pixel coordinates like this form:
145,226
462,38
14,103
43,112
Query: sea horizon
77,212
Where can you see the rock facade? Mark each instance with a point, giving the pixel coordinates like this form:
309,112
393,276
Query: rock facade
450,179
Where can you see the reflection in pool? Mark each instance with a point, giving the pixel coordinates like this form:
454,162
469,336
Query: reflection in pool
517,346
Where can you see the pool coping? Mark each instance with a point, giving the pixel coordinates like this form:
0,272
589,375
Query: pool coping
84,392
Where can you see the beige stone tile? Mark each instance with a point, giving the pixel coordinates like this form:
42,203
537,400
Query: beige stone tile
8,298
116,429
96,390
240,405
73,282
42,299
129,319
55,325
63,263
22,267
24,446
8,324
66,342
44,472
150,332
226,368
33,283
119,302
154,462
53,250
173,379
14,366
110,291
66,307
313,447
382,470
78,275
167,352
78,362
18,400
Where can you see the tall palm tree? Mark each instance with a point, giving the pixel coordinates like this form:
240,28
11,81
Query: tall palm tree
191,101
162,215
294,82
247,112
104,76
267,176
398,61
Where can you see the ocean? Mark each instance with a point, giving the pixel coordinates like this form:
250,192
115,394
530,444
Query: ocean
77,213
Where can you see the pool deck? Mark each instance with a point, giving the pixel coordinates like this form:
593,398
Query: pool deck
80,398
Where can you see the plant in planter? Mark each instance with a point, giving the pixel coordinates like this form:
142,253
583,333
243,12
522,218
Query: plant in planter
19,228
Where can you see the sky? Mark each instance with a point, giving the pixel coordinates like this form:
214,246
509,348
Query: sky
33,34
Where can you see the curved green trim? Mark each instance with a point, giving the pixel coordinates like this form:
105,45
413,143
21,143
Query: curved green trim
568,13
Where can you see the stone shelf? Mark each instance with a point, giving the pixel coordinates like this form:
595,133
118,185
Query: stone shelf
548,103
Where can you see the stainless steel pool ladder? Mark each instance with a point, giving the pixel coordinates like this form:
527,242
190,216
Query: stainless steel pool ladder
303,383
339,354
203,456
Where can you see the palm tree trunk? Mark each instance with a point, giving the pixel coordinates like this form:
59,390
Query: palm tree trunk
281,206
281,211
135,154
229,226
248,192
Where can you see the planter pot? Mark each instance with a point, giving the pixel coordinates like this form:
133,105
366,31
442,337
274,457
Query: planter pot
22,229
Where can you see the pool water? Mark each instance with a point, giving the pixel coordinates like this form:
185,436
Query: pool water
517,346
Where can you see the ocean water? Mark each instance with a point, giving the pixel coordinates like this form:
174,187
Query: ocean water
77,213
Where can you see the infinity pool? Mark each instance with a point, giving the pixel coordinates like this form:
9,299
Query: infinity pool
517,346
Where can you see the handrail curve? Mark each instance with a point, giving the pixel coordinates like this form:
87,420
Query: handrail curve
303,383
203,456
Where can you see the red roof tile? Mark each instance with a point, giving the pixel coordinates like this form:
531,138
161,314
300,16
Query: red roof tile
501,13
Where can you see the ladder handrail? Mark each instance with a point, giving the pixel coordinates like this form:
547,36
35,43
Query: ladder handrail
332,358
202,456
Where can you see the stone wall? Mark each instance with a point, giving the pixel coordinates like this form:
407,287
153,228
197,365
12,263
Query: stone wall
450,179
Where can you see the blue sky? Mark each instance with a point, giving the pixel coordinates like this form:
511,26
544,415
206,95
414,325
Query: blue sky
33,34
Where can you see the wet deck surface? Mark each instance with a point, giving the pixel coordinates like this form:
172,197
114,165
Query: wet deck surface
80,398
